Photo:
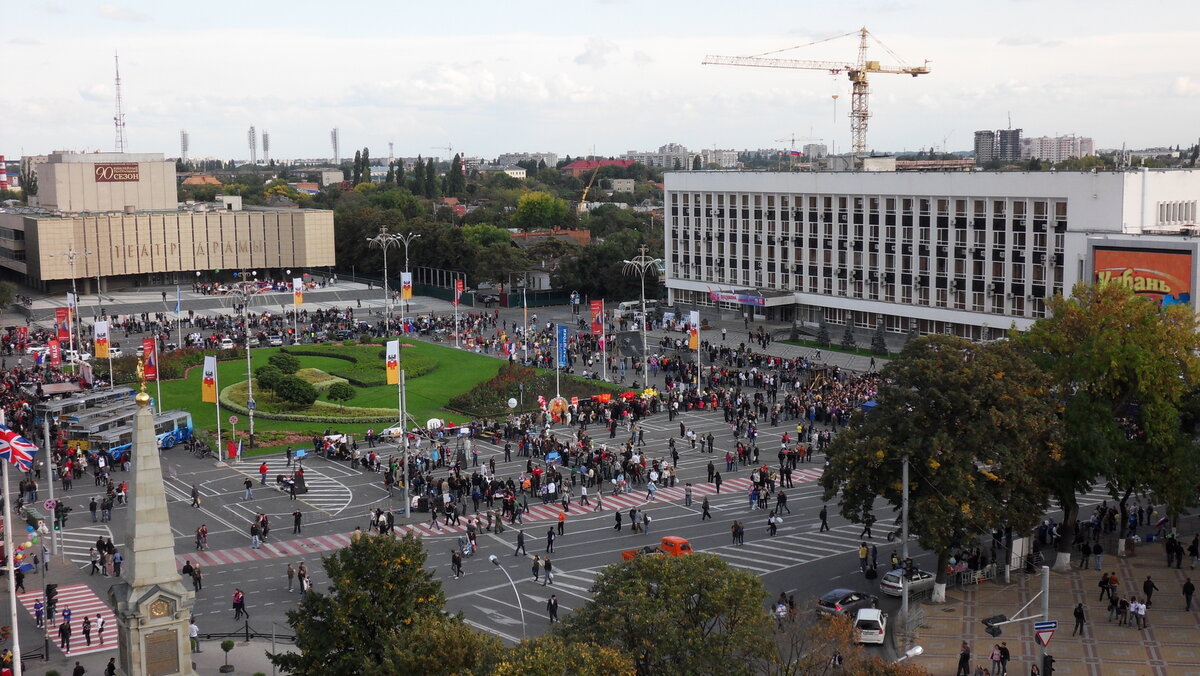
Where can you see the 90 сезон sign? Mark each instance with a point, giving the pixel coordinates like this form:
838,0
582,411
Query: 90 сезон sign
117,173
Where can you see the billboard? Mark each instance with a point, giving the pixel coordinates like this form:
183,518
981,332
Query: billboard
123,172
1162,274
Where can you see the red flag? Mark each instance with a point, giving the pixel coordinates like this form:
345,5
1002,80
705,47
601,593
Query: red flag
150,358
55,352
62,323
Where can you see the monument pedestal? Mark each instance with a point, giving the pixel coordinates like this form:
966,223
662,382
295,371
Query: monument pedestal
152,627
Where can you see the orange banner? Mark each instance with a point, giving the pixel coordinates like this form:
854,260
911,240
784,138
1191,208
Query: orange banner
1165,276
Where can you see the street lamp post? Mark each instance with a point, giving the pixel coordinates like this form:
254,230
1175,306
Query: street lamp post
496,562
75,336
249,374
639,265
384,240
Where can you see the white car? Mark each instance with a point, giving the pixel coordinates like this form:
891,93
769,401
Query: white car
275,340
72,356
115,352
35,350
226,344
871,625
892,584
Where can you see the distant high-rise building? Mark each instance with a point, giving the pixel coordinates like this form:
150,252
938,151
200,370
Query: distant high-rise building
985,146
1008,145
669,156
507,159
1055,149
815,151
725,159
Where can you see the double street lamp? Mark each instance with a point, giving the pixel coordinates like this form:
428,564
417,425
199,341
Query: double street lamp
385,240
640,265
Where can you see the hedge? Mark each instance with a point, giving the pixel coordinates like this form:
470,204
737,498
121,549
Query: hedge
365,367
337,414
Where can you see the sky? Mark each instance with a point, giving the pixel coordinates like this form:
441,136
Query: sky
603,76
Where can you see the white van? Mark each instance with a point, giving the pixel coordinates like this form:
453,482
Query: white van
631,308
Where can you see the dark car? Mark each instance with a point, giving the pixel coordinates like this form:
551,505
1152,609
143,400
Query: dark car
343,334
844,601
488,298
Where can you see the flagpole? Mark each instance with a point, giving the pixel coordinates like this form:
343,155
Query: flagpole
157,379
12,566
217,404
557,360
603,343
404,436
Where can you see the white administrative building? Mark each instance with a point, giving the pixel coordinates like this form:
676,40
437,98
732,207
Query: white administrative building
970,254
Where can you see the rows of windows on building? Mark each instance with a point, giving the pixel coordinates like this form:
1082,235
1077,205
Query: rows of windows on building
999,256
1007,145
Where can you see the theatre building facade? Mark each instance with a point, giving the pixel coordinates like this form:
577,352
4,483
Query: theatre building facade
115,220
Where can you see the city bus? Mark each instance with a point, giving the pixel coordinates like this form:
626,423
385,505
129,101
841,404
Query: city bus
170,428
66,408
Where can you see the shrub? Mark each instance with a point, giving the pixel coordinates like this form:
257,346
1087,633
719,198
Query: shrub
848,341
295,390
268,376
341,392
285,362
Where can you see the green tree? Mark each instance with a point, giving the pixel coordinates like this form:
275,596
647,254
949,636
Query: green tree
430,179
696,164
688,615
848,340
340,392
267,376
879,340
823,337
286,363
379,591
437,645
8,293
366,165
1123,368
485,235
978,425
418,187
295,390
539,211
456,183
805,646
497,261
552,656
356,177
29,178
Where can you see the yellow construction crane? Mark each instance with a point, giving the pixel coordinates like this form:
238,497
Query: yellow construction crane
583,200
857,72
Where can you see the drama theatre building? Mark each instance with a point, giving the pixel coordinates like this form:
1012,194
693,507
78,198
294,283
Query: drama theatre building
970,254
120,215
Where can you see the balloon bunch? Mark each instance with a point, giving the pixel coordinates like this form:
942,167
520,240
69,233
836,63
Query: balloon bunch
24,547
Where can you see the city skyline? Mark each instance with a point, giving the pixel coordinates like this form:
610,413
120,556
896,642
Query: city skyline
609,74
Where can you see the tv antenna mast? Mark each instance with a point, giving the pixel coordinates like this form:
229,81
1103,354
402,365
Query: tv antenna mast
119,117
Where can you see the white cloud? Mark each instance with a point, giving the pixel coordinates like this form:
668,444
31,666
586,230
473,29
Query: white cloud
1185,86
96,92
596,53
119,13
642,58
1027,41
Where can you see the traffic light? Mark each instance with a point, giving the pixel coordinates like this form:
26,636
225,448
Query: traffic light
5,632
51,598
1047,665
991,623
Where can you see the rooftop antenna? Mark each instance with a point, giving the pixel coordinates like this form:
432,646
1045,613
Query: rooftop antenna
1010,119
119,117
391,153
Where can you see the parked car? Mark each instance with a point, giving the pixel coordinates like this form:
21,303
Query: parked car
870,625
275,340
35,350
919,581
844,601
72,356
226,344
115,352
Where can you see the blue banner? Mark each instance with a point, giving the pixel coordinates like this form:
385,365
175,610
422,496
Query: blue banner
562,346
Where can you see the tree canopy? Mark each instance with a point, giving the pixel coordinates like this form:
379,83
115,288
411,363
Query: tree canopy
689,615
979,428
539,211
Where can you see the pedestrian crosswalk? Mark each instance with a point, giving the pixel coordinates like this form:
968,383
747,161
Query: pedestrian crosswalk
268,550
764,555
82,602
78,540
325,491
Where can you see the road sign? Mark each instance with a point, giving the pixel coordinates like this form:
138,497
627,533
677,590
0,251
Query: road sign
1044,636
233,420
250,404
50,504
1042,626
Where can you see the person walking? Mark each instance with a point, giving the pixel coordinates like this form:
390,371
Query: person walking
1080,620
239,605
1189,590
194,635
197,578
824,519
717,482
64,636
704,507
1097,554
964,660
520,543
195,497
296,517
86,627
99,624
537,567
548,568
562,522
255,536
550,541
552,608
247,494
617,516
1148,588
863,553
645,523
456,563
773,524
262,473
291,576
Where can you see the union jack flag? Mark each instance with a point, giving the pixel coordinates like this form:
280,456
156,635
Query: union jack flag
17,449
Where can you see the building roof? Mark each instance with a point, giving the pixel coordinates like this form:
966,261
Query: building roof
201,179
584,165
527,239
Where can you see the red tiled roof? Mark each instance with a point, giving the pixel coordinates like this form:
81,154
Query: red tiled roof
592,164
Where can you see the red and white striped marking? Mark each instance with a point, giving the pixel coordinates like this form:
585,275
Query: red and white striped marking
83,602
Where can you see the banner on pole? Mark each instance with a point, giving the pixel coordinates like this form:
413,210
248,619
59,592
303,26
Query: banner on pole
297,291
72,301
597,308
405,286
62,325
178,299
150,359
562,345
458,290
208,382
55,350
100,329
393,362
694,330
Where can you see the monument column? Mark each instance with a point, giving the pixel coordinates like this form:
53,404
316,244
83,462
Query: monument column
151,604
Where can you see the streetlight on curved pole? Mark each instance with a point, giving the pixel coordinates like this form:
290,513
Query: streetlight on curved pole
496,562
75,336
639,265
384,240
406,240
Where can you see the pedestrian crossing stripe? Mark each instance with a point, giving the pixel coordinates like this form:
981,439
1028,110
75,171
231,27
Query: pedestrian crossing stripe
77,541
83,602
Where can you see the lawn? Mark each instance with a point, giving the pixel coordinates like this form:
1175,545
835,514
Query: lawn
455,371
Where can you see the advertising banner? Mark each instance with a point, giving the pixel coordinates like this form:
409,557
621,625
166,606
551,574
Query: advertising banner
150,359
405,286
458,290
208,381
101,338
1161,274
694,330
55,351
597,308
62,323
739,298
392,362
563,336
297,291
